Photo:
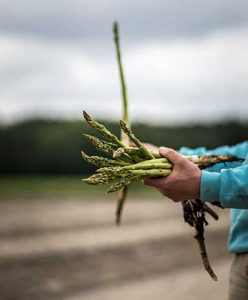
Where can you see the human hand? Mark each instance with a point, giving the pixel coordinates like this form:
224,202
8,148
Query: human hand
184,181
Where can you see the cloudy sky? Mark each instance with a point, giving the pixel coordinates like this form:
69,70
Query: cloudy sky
185,61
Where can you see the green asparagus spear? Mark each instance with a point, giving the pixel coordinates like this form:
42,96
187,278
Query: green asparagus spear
133,138
121,184
99,179
102,161
102,129
99,145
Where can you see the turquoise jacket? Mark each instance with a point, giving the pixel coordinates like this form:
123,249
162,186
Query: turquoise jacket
229,185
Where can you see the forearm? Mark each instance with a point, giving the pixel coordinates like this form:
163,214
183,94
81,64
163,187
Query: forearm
240,150
186,181
229,187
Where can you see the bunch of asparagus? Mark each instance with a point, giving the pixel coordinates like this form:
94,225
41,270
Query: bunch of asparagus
129,164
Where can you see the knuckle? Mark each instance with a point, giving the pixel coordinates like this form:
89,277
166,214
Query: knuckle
181,160
169,151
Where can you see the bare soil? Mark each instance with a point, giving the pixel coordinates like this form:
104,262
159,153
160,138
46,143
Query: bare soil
71,249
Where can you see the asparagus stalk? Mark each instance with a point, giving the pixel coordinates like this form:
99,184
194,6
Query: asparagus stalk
121,73
136,175
102,161
147,154
99,145
118,172
120,185
102,129
138,166
206,161
132,151
99,179
124,138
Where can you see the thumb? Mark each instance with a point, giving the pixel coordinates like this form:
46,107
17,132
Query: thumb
171,154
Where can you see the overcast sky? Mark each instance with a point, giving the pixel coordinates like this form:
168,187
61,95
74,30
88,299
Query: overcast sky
184,61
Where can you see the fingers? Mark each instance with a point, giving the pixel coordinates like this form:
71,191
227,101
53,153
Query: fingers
171,154
174,157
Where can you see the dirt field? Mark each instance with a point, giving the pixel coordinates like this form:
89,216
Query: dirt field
70,249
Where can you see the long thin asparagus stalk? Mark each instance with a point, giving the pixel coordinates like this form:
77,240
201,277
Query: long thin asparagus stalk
122,79
122,195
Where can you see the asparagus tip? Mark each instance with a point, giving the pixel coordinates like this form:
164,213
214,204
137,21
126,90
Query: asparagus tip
83,154
86,116
115,27
88,137
86,180
122,123
124,127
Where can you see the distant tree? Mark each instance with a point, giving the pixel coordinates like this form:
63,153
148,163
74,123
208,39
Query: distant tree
53,147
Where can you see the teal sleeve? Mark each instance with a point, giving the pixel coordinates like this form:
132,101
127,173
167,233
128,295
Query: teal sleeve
228,183
230,187
240,150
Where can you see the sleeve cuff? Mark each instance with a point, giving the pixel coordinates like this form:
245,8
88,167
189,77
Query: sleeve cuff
210,186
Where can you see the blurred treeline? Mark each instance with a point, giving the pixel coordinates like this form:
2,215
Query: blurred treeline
53,147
